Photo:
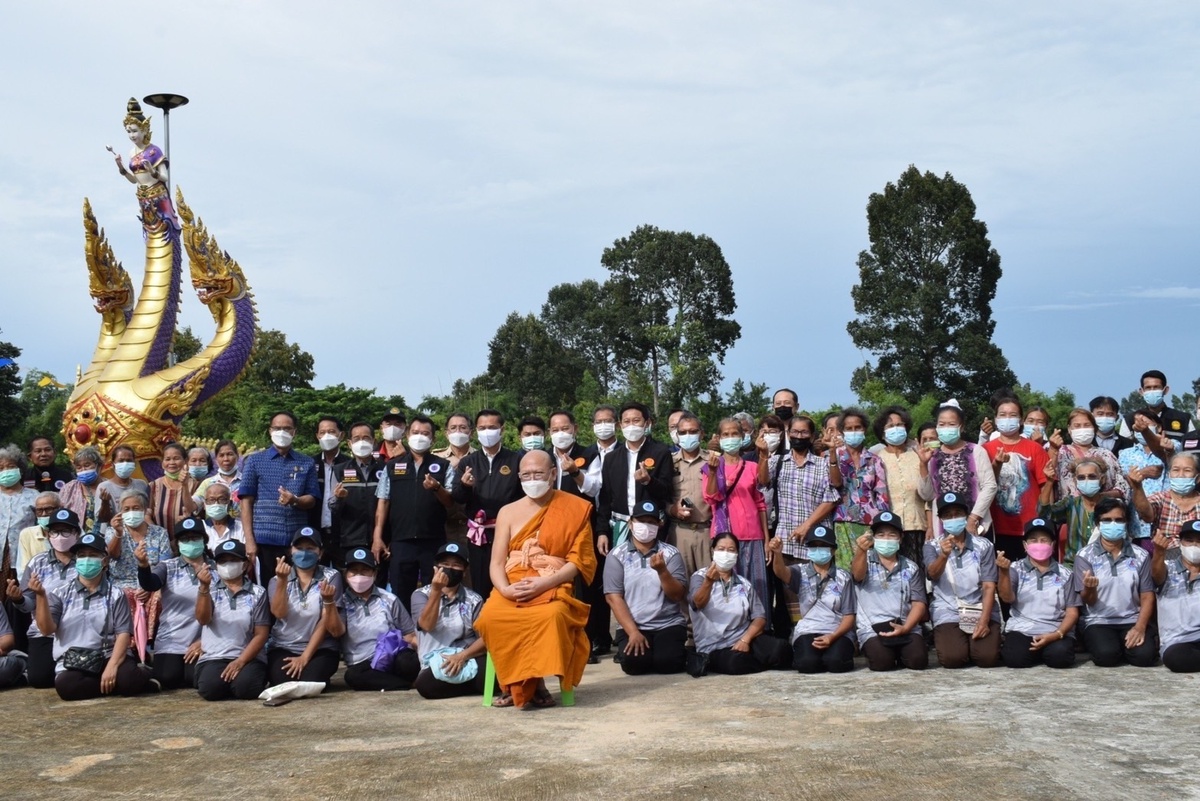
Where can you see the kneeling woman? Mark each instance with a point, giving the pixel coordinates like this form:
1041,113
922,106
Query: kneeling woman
235,623
1044,603
1178,605
92,628
365,614
177,643
891,600
728,617
451,652
303,600
824,637
1117,592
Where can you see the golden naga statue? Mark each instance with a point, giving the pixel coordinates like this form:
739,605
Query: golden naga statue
130,394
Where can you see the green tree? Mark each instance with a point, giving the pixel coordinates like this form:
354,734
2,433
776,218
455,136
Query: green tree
924,297
585,319
43,401
279,366
185,344
675,294
11,411
532,367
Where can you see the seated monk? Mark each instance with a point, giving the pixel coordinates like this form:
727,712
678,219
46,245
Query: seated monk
532,623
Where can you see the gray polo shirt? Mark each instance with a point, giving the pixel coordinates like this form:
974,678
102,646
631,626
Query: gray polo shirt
234,618
885,595
5,626
823,602
177,626
962,580
731,606
1122,581
456,620
292,632
1042,599
365,619
1178,606
53,574
628,573
88,618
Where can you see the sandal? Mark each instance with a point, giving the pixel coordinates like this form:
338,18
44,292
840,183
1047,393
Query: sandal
505,700
542,699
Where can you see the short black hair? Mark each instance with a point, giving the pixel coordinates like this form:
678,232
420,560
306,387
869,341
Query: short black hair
1103,400
881,420
331,419
1012,399
634,406
361,424
1000,396
1153,374
463,415
285,413
689,416
605,407
36,438
423,418
488,413
962,418
1107,504
564,413
532,420
724,535
851,411
792,392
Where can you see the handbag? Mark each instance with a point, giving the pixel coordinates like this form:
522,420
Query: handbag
969,615
85,660
697,664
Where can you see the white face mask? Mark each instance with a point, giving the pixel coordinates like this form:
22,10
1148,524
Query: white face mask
725,560
562,439
458,438
643,532
363,448
674,436
392,433
772,440
329,442
1191,553
1083,436
633,433
489,437
604,431
535,489
419,442
228,571
282,439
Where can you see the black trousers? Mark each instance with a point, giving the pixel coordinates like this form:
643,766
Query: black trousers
666,654
599,624
1106,644
481,561
172,672
321,667
412,566
12,668
1182,657
884,653
404,670
1016,654
837,658
75,685
766,653
267,556
247,685
40,670
431,687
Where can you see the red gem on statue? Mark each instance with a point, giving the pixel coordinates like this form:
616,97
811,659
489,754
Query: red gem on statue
101,432
83,433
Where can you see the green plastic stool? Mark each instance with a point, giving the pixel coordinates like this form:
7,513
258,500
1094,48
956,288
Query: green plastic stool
489,686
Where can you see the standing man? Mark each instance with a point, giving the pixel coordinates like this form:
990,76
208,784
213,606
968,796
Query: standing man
413,499
532,431
43,475
1104,409
458,433
569,456
487,480
1175,424
279,487
329,466
354,499
785,403
599,626
673,428
391,428
640,471
690,517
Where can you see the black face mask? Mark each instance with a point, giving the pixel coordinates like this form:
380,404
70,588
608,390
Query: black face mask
454,576
801,444
784,413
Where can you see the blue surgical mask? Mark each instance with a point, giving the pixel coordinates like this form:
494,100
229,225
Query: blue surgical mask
1183,485
190,549
44,522
198,472
89,567
854,439
887,547
1088,486
745,441
305,560
948,435
1112,530
731,444
954,526
896,435
820,556
1029,430
1106,424
10,476
1153,397
124,469
1007,425
86,476
689,442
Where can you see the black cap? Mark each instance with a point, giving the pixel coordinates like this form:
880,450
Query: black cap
90,540
822,537
394,414
1039,524
308,533
886,519
452,549
952,499
231,548
361,556
65,517
1191,530
647,508
189,529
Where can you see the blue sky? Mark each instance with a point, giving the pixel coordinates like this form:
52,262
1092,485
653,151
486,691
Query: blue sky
412,173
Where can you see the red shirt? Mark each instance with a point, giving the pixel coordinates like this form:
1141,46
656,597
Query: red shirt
1018,485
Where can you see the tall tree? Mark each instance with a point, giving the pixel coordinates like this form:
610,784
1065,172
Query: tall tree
185,344
43,401
584,318
528,364
11,411
924,297
279,365
675,294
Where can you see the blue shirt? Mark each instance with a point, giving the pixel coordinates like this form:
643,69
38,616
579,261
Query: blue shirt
262,476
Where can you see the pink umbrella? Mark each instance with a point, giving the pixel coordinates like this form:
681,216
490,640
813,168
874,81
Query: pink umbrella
141,628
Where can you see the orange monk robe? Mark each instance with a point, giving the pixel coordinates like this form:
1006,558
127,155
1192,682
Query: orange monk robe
544,636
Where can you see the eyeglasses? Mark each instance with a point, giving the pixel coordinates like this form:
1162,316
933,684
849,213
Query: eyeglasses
43,511
538,476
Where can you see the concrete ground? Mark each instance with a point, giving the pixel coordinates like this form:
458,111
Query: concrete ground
1083,733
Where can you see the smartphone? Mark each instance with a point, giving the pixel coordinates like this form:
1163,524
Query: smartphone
686,503
886,626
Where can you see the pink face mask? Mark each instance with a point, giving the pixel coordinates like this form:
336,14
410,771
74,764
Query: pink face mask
1041,551
360,584
63,542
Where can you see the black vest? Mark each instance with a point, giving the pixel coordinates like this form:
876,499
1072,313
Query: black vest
354,515
415,512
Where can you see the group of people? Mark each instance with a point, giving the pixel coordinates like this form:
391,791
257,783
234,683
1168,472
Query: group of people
775,543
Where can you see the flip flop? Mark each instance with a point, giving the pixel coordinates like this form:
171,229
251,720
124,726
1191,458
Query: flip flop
503,701
542,699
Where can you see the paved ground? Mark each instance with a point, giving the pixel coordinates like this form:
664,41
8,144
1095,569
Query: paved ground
1083,733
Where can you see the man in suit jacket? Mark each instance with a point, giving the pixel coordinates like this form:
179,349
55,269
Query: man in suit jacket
640,471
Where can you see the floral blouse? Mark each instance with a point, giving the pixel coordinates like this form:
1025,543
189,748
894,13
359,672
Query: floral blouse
864,490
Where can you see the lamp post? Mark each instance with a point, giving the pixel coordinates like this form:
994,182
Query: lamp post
166,101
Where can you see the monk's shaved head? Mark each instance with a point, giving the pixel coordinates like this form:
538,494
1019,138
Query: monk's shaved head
536,460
